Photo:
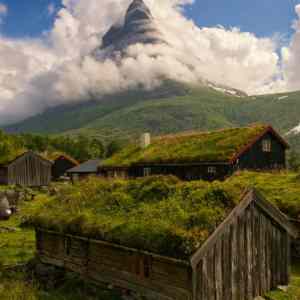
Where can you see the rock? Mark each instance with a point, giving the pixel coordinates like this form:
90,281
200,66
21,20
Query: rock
283,288
13,197
139,27
5,211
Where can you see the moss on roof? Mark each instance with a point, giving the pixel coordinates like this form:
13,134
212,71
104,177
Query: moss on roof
11,155
189,147
157,214
160,214
53,156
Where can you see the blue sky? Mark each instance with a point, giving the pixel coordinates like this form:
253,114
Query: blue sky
263,17
27,17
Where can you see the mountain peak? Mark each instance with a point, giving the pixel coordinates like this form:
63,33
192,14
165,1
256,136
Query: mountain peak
137,11
139,27
137,4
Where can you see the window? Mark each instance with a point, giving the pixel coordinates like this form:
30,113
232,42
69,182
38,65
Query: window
147,172
266,145
212,170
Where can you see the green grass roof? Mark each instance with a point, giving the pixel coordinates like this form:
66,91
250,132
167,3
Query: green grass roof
189,147
54,155
160,214
11,155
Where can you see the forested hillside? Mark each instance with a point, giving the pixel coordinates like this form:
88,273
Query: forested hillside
81,148
171,108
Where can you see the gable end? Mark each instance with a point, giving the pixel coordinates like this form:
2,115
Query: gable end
30,154
250,196
269,130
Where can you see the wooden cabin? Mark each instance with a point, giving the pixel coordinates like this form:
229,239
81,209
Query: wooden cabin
29,169
84,170
201,155
246,256
61,164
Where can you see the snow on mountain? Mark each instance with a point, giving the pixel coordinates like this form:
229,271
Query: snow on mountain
283,97
294,131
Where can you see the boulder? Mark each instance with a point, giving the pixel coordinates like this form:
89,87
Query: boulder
13,197
5,211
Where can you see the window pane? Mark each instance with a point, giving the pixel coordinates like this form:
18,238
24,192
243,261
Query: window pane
266,145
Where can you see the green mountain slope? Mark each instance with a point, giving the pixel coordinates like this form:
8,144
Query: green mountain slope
171,108
74,116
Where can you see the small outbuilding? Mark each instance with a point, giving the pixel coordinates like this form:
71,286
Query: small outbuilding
61,164
28,169
210,156
245,256
84,170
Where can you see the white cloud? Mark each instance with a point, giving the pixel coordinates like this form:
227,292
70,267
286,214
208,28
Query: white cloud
37,74
3,12
51,9
291,58
3,9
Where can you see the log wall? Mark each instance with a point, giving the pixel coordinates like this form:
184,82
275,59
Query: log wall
251,258
154,276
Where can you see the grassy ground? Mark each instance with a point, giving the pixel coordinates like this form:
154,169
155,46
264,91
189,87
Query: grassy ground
16,243
17,286
17,246
293,292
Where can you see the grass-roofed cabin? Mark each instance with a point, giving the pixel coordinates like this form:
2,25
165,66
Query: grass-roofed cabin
188,243
27,169
61,164
201,155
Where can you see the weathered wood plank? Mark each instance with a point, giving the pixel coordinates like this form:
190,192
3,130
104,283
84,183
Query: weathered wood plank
262,250
242,264
234,253
219,271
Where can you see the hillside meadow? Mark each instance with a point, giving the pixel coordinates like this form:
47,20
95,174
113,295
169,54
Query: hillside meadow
171,108
140,200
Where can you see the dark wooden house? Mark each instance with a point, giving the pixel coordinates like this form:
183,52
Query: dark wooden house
84,170
61,164
28,169
246,256
201,155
